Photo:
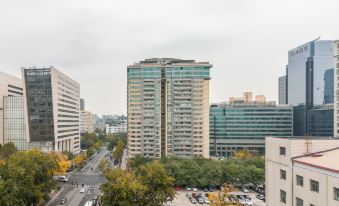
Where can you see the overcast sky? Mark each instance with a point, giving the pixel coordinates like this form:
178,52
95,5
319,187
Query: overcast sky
94,41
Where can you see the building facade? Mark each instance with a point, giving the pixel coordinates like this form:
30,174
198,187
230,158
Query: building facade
320,121
293,180
238,126
336,88
9,86
282,90
168,108
52,104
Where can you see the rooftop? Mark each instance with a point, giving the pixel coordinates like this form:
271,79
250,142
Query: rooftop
304,138
169,61
327,160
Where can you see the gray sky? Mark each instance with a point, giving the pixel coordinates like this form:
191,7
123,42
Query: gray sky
94,41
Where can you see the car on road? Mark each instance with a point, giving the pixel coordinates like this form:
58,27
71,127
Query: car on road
82,190
201,200
63,201
62,179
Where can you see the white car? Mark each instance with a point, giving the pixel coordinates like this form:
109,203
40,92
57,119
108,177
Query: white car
195,189
82,190
206,200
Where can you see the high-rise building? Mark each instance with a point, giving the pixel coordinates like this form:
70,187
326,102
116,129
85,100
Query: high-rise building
329,86
302,171
53,103
238,126
9,86
283,90
168,108
336,88
307,65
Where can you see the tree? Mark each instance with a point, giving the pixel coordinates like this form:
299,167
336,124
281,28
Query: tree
79,159
118,151
243,154
7,150
122,189
159,186
63,162
26,177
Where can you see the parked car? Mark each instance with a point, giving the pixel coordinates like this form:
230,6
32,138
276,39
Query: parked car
247,197
193,200
82,190
205,189
194,189
178,188
201,200
260,197
248,203
188,188
244,189
189,195
206,200
63,200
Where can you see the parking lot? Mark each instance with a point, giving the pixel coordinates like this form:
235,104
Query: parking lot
181,199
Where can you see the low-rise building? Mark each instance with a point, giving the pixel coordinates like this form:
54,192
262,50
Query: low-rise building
116,125
236,126
302,171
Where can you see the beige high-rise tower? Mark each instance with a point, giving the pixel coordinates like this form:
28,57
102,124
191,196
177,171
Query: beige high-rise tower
168,108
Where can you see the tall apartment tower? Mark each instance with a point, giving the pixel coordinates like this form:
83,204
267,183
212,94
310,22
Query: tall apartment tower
52,104
9,86
336,88
168,108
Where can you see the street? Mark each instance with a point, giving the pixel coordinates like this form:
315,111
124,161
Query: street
90,177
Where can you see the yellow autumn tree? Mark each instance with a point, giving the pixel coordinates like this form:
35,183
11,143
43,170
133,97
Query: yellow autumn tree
79,159
63,163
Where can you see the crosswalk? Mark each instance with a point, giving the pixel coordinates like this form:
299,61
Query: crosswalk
86,186
88,173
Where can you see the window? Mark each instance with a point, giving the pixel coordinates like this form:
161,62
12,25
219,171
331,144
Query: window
336,193
282,196
282,150
314,186
312,205
300,180
283,174
300,202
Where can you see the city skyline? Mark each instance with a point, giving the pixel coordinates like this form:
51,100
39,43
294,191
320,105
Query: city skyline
91,41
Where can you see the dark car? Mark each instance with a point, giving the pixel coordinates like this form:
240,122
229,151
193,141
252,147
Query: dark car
63,200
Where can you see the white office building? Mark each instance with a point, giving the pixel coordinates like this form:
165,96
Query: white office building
302,171
52,104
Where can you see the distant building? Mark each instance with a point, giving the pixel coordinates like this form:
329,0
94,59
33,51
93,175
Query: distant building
329,86
117,125
82,104
283,89
86,122
53,104
9,86
302,171
168,108
238,126
336,88
247,97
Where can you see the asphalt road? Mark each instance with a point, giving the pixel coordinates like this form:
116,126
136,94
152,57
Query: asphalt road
91,179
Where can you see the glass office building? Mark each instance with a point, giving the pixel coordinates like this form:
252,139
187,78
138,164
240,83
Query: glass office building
168,108
307,65
329,86
283,89
320,121
238,126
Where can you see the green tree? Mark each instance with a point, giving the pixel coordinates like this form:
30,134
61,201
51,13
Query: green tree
7,150
159,186
122,189
118,151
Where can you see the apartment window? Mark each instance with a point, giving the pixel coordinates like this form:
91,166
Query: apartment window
283,174
300,202
282,150
282,196
300,180
336,193
314,186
